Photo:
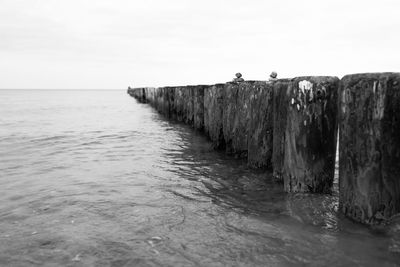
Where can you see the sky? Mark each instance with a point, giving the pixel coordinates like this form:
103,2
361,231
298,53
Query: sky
113,44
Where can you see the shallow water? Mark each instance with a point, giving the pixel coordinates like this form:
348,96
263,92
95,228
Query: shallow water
93,178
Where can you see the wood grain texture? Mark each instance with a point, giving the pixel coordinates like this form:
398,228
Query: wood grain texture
369,158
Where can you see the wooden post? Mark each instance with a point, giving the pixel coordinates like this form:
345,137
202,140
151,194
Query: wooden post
260,133
179,103
158,99
369,158
188,104
198,107
228,115
150,95
169,96
242,119
280,109
235,133
310,134
213,114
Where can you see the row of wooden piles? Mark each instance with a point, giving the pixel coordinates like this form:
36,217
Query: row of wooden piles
290,127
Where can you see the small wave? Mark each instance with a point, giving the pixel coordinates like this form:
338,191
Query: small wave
49,138
185,196
90,143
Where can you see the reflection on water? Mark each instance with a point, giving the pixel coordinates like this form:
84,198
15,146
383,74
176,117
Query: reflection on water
94,178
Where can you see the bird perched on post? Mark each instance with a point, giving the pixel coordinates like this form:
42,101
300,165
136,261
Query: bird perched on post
238,78
273,76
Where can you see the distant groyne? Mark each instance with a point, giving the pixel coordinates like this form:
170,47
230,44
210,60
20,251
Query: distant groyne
290,127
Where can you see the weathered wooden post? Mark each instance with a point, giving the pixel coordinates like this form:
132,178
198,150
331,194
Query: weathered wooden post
139,94
133,92
165,102
369,144
188,107
213,114
198,107
146,94
169,97
236,117
310,134
150,95
279,111
230,106
142,95
242,119
158,99
179,103
260,131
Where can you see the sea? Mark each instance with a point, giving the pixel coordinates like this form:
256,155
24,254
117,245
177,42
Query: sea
94,178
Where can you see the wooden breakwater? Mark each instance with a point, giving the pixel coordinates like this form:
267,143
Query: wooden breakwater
290,127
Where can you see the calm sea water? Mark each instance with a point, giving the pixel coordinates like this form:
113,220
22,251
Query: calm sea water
93,178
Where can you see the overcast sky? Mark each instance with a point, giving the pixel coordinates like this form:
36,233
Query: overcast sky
119,43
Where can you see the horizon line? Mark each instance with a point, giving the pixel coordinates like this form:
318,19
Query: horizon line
62,89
